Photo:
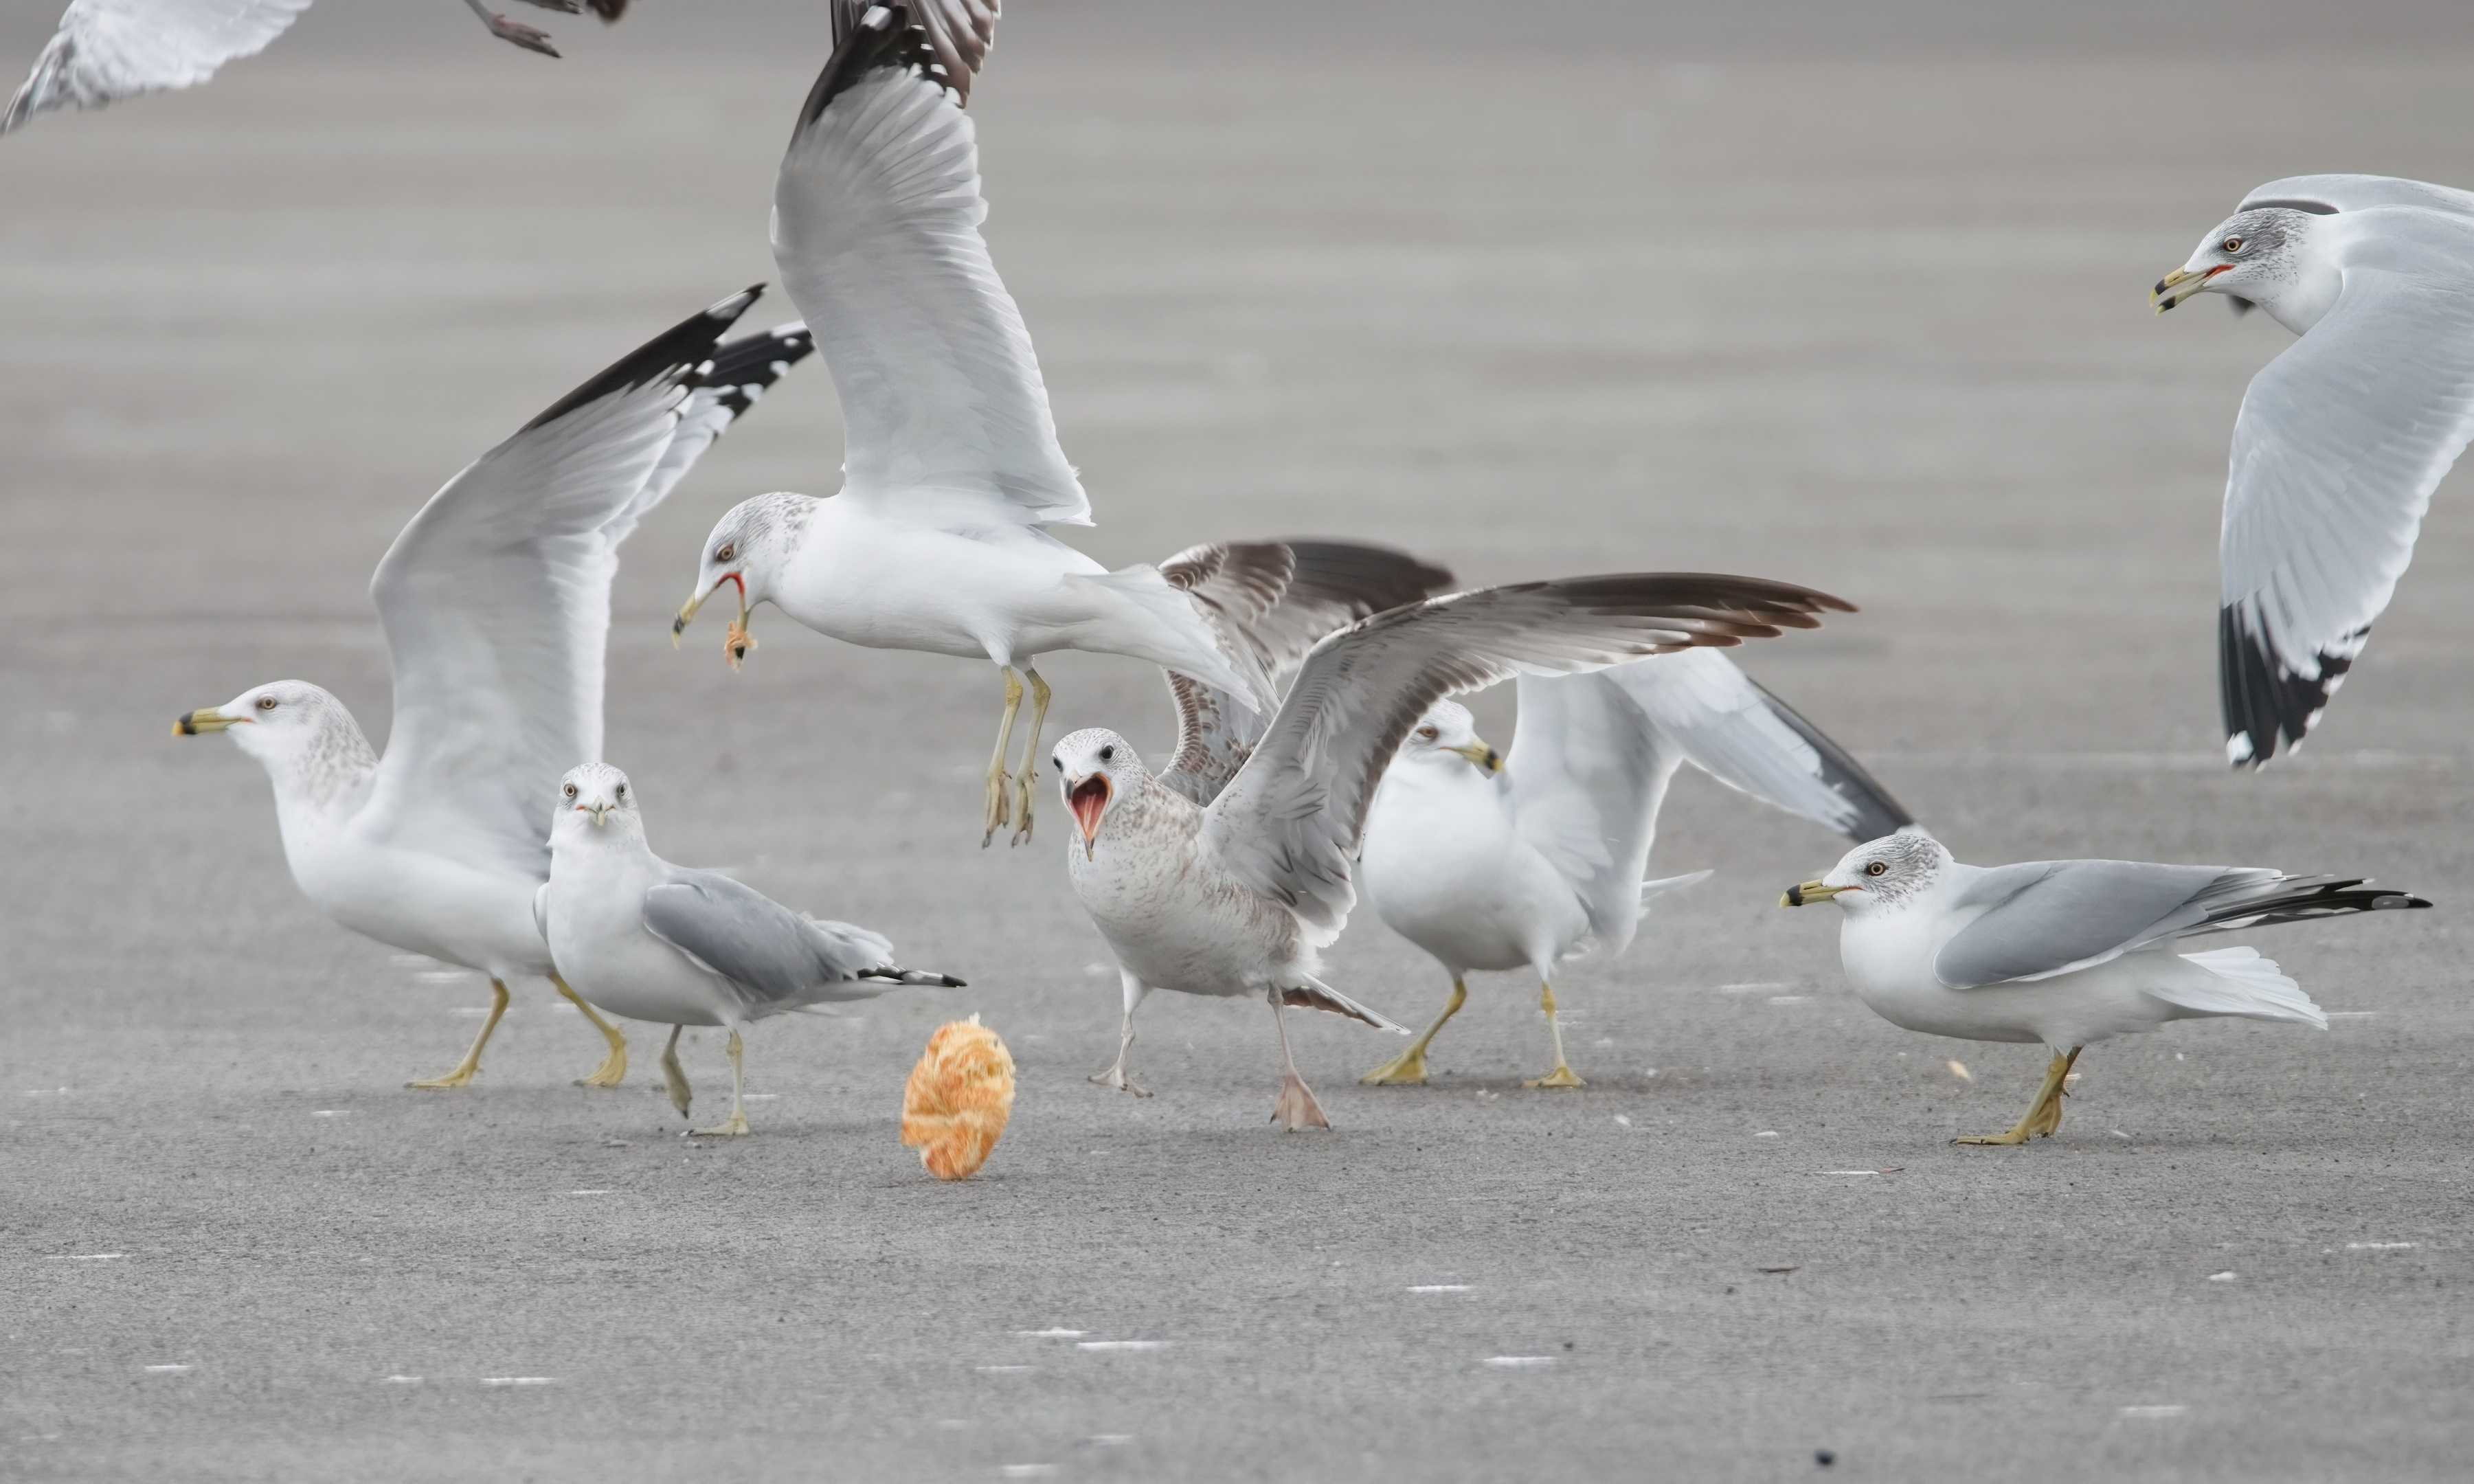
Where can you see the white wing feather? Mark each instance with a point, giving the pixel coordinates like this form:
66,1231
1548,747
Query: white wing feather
107,49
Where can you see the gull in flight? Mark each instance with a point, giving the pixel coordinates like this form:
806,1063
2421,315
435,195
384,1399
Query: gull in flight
2340,439
107,49
2064,952
952,474
496,605
1235,896
1493,866
649,941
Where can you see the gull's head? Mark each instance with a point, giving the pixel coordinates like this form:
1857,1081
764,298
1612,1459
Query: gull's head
1876,874
282,722
746,550
1447,737
1095,767
593,801
2264,256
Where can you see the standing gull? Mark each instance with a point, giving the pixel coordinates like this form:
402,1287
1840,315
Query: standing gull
1236,897
1486,866
2342,439
496,605
952,472
107,49
649,941
2064,952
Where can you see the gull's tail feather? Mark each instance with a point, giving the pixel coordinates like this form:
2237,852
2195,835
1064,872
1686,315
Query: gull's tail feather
1155,621
1318,995
2243,984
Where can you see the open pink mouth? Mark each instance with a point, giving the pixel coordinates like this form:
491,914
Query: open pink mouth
1089,800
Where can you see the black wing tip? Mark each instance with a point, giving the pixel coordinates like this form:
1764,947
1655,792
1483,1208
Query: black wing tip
879,34
678,353
2267,706
1877,812
2309,898
1778,603
747,367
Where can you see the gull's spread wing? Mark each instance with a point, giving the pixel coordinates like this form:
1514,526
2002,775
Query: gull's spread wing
2340,443
1328,585
2327,195
107,49
1288,824
876,228
495,603
742,372
756,942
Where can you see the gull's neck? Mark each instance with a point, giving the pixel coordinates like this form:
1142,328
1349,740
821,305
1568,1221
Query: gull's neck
327,778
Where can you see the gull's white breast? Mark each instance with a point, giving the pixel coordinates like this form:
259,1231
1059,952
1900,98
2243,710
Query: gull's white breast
1446,867
1889,958
594,913
865,578
1172,917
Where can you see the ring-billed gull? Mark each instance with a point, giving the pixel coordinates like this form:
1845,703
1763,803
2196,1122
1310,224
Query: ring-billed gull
649,941
2342,439
1236,896
952,472
107,49
2064,952
1486,866
495,603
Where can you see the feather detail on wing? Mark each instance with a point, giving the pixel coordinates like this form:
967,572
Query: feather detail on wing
2339,443
496,605
107,49
761,946
1288,824
742,372
876,228
1327,586
2328,195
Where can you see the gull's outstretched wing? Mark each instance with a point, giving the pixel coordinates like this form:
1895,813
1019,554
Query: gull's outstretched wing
107,49
2340,443
1594,753
876,226
1328,585
1288,824
765,947
742,372
495,603
2046,917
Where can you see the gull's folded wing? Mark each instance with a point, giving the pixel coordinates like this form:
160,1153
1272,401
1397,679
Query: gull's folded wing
2046,917
756,942
107,49
2328,195
496,605
1288,824
2339,446
876,228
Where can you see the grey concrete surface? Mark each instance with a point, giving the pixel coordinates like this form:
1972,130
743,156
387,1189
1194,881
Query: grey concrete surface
1846,295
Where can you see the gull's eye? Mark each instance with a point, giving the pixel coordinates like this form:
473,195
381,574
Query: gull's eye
1877,867
1429,733
729,549
622,791
266,703
569,791
2231,244
1106,753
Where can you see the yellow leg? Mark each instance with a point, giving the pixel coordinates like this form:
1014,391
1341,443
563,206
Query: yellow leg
614,1067
737,1123
462,1076
996,761
2044,1114
1409,1068
1562,1076
675,1075
1030,769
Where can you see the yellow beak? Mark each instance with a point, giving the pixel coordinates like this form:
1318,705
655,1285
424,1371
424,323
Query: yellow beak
2180,284
1810,891
1485,759
738,641
198,723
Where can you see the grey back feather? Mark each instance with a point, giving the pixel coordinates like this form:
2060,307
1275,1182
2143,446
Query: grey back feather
2046,917
756,942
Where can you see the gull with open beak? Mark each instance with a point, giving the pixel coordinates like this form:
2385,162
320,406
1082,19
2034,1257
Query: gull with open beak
1486,868
2342,438
649,941
2067,953
496,605
1232,888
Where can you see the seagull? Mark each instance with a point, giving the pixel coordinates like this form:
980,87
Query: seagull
649,941
2065,952
1486,868
939,539
1236,896
107,49
495,603
2342,439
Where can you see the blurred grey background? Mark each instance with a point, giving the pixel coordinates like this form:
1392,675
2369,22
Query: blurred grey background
1846,294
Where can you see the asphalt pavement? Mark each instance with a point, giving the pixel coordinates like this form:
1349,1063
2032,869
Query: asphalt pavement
1853,304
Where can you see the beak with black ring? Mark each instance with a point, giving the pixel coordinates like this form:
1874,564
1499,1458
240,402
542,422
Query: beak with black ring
737,640
2180,284
1811,891
1485,759
204,719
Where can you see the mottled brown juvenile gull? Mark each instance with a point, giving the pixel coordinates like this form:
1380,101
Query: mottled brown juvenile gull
1237,896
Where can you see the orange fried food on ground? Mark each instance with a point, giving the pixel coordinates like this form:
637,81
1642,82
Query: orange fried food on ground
959,1096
